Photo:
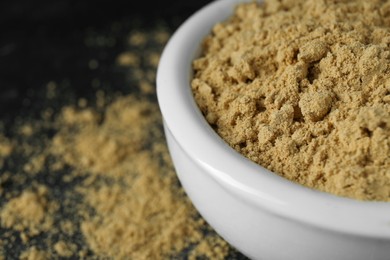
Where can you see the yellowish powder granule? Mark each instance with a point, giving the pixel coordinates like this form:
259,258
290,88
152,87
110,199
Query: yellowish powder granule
6,148
303,88
30,212
64,249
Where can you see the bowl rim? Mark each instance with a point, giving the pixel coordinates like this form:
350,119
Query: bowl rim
242,177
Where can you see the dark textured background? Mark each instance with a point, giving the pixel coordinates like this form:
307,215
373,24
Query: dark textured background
43,40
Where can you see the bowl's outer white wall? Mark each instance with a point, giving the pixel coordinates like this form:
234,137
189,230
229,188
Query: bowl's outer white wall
258,233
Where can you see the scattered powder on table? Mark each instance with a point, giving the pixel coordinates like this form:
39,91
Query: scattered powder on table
302,88
142,213
130,205
95,179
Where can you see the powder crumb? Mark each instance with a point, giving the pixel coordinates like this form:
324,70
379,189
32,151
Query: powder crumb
303,95
128,59
47,114
210,248
82,103
24,237
67,227
65,249
151,75
137,39
36,164
83,116
146,87
26,130
6,147
100,99
313,51
314,106
153,59
161,36
51,90
30,212
34,254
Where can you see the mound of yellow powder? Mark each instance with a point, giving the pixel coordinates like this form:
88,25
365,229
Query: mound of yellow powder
303,88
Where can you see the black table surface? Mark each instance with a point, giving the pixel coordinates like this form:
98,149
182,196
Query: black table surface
43,40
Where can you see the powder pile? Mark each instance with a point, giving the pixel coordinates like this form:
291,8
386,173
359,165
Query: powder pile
139,210
302,88
127,202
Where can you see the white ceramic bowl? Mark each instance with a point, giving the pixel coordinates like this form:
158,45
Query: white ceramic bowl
260,213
